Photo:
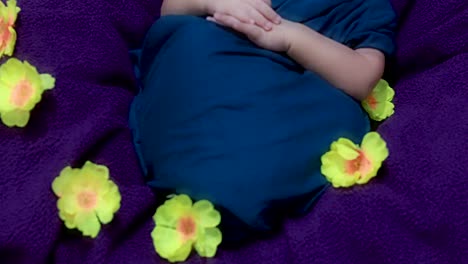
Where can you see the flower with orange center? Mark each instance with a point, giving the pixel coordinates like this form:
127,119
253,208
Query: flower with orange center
21,88
379,103
347,164
87,197
181,225
8,15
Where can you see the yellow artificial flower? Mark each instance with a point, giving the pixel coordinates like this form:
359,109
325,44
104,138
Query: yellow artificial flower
87,197
21,88
379,103
180,226
8,15
347,164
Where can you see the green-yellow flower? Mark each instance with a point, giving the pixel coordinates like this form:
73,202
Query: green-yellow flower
379,104
181,225
87,197
21,88
8,15
347,164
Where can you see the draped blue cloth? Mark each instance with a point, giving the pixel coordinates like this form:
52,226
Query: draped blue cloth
219,118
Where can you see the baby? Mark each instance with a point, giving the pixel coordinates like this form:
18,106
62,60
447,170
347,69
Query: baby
240,98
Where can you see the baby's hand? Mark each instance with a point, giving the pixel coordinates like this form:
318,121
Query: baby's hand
254,12
275,39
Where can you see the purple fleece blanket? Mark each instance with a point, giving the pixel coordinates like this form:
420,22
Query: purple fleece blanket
416,211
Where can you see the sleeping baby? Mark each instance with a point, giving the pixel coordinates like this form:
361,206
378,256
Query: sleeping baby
239,99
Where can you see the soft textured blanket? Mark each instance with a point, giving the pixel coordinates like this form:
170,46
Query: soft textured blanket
414,212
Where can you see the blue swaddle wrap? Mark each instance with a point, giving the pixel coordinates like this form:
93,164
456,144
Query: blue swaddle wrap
219,118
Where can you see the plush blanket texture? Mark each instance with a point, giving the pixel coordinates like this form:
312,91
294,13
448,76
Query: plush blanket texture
414,212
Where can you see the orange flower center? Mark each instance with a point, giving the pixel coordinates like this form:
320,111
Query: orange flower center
87,200
372,101
5,35
187,227
360,164
21,93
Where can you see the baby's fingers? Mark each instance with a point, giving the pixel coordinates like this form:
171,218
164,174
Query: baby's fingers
259,19
251,31
242,12
264,7
225,20
212,19
247,14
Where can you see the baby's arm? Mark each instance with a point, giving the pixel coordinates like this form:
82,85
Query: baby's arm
354,71
184,7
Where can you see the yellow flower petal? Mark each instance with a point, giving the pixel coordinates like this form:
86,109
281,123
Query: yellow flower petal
32,74
375,147
10,45
206,214
168,244
88,224
14,118
207,243
182,254
166,216
378,104
172,210
376,151
68,219
333,169
11,72
48,82
183,200
345,148
108,204
390,92
105,215
95,176
68,204
60,182
114,193
12,11
338,178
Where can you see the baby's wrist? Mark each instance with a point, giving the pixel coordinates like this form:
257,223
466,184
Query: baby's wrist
206,6
290,32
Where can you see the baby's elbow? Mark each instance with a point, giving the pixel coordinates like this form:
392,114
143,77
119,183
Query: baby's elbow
163,11
360,95
169,7
360,90
366,84
365,90
371,72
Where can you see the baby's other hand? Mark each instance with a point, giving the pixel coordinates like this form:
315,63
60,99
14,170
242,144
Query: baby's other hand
277,39
254,12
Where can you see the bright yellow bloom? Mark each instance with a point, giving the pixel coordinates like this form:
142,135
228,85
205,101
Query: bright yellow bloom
8,15
379,103
347,164
180,226
21,88
87,197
